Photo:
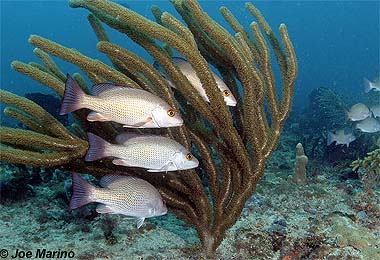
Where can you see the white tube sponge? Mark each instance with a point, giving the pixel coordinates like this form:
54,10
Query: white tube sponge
299,175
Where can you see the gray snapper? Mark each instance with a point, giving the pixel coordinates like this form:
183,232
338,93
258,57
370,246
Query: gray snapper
340,137
124,195
358,112
187,70
369,85
134,108
152,152
368,125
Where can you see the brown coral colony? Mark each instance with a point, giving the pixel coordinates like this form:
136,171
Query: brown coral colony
232,150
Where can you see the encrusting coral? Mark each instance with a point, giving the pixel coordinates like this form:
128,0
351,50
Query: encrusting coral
233,144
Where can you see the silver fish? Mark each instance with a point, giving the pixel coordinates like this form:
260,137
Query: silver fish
369,85
368,125
358,112
124,195
191,75
375,109
133,108
340,137
155,153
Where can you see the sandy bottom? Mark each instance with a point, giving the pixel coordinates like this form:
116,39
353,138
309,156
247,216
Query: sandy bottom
329,218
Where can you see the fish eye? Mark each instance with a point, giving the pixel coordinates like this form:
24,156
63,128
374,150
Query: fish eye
171,113
226,93
189,156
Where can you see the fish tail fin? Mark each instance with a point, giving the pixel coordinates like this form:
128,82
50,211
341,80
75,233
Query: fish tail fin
330,138
98,148
367,85
72,98
83,192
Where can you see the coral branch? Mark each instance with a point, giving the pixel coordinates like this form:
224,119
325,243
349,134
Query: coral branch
233,144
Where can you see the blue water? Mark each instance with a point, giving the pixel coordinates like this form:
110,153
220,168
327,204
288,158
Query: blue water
337,45
336,42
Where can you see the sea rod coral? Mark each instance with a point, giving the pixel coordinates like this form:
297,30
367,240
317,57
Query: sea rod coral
233,144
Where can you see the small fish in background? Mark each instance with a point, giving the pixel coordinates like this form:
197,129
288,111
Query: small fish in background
124,195
375,110
341,136
152,152
358,112
368,125
133,108
191,75
369,85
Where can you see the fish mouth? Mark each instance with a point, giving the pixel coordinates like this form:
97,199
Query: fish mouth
196,162
231,103
164,212
178,122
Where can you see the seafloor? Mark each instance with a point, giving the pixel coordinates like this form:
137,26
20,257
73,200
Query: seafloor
332,217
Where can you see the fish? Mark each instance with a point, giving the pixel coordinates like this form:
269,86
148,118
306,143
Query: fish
375,109
341,136
369,85
187,70
358,112
134,108
125,195
152,152
368,125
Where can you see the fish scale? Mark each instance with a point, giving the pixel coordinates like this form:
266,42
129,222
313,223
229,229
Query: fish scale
134,108
126,198
125,195
149,152
116,103
188,71
155,153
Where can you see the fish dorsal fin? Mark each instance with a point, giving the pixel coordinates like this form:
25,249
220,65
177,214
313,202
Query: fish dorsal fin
101,88
111,180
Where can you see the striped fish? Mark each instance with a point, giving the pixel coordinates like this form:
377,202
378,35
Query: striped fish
134,108
187,70
155,153
118,194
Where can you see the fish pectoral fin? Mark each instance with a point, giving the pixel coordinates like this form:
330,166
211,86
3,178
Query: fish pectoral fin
103,209
154,170
120,162
140,124
139,222
165,168
96,116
